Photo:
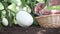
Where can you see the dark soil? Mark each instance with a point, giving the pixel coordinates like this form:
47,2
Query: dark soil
30,30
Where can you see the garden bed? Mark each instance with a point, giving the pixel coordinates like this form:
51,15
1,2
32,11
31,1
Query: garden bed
30,30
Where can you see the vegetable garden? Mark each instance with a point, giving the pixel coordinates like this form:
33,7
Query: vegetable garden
30,16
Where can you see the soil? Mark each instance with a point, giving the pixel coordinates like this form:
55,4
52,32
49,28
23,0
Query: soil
30,30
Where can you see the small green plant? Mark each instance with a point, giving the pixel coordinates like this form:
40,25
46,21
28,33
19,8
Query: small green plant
8,9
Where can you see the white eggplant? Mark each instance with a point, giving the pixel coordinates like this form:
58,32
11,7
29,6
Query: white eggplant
24,19
5,22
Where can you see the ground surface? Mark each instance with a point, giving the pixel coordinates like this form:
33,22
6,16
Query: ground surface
30,30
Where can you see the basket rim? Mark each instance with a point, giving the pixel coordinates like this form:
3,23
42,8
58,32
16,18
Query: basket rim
48,15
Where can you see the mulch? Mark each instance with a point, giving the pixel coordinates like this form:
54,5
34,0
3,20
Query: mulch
30,30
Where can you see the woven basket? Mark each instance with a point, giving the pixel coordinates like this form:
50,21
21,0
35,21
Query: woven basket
49,21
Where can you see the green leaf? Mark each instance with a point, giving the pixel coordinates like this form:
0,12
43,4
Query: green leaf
12,7
48,3
1,0
17,2
27,9
3,13
12,1
23,2
1,6
54,7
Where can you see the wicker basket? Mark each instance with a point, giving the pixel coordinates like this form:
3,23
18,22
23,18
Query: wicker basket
49,21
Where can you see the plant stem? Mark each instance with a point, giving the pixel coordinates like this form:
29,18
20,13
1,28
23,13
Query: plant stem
0,19
7,12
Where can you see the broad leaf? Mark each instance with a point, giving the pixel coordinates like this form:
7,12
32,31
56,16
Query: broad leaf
12,7
1,6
